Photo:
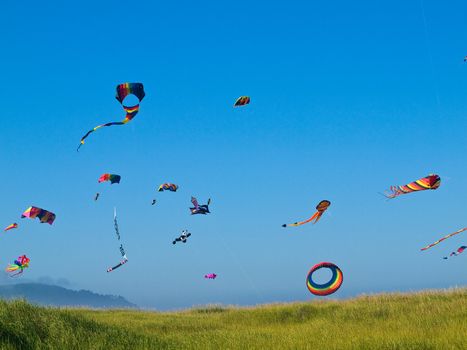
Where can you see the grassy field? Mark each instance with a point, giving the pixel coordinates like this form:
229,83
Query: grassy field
428,320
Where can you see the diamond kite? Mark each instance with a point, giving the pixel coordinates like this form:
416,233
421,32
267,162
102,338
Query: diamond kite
321,208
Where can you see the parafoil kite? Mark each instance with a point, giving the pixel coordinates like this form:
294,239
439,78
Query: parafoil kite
445,237
18,266
113,178
183,237
321,208
457,252
122,250
430,182
45,216
168,187
242,101
10,227
199,209
123,90
327,288
211,276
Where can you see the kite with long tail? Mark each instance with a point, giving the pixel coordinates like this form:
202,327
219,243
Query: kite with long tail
19,265
321,208
123,90
122,250
430,182
457,252
445,237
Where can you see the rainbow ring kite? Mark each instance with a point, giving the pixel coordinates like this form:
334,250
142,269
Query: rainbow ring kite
327,288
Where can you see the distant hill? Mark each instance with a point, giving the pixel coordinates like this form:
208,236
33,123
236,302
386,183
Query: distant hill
44,294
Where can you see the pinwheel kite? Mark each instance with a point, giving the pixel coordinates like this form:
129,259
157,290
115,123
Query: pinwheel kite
445,237
113,178
123,90
183,237
19,265
45,216
211,276
430,182
10,227
321,208
168,187
457,252
242,101
199,209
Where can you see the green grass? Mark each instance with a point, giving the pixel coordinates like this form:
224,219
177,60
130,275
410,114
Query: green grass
427,320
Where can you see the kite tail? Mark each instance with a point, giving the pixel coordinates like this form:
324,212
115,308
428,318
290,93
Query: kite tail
101,126
320,213
315,216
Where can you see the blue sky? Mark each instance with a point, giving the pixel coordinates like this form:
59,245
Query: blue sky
348,98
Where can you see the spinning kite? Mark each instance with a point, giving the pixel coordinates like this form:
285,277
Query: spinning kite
327,288
44,215
211,276
183,237
242,101
110,177
457,252
199,209
123,90
10,227
431,182
321,208
445,237
168,187
122,250
19,265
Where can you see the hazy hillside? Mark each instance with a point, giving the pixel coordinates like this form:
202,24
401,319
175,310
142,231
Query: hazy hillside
45,294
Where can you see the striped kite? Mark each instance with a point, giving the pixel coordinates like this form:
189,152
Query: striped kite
19,264
168,187
10,227
44,215
431,182
110,177
321,208
123,90
445,237
457,252
242,101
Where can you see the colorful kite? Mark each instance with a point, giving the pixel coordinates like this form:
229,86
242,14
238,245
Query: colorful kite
123,90
242,101
211,276
321,208
431,182
44,215
19,265
199,209
110,177
183,237
10,227
445,237
327,288
122,250
457,252
168,187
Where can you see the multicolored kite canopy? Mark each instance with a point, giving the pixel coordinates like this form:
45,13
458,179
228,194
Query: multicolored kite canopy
430,182
168,187
123,90
242,101
321,208
19,265
45,216
10,227
110,177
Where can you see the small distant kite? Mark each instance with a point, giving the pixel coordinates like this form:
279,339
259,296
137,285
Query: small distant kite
122,250
430,182
10,227
183,237
457,252
321,208
211,276
18,266
445,237
153,202
123,90
113,178
465,59
242,101
327,288
45,216
168,187
200,209
96,196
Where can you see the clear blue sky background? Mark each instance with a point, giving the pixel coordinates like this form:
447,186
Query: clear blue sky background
348,98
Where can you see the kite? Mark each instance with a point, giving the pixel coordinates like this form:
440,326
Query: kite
457,252
183,237
211,276
327,288
168,187
465,59
19,265
110,177
10,227
96,196
445,237
430,182
242,101
153,202
44,215
123,90
321,208
199,209
122,250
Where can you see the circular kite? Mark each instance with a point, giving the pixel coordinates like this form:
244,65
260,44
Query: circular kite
326,288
